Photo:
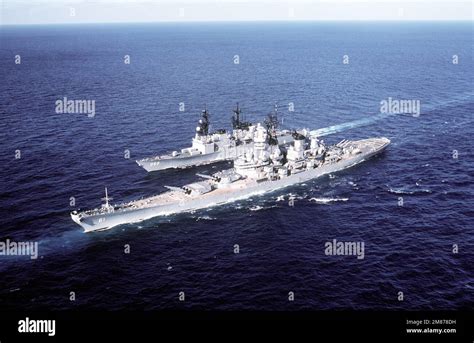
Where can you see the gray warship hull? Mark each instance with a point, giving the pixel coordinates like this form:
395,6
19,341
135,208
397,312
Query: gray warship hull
147,210
181,162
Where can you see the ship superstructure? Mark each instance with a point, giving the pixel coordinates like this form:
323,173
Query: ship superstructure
213,147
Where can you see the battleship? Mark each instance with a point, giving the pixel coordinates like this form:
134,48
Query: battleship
217,146
265,168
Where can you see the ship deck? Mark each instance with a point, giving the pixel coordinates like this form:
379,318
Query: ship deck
172,197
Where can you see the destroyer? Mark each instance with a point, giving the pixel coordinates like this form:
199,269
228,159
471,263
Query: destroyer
217,146
262,169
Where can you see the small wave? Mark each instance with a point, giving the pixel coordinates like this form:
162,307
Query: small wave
469,285
258,208
204,218
407,191
327,200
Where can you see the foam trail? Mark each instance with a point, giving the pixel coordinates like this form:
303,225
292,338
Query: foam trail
349,125
372,119
455,99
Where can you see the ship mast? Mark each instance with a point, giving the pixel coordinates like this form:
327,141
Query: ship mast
236,118
236,126
238,122
271,124
106,199
203,128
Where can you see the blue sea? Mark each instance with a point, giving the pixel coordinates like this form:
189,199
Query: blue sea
408,248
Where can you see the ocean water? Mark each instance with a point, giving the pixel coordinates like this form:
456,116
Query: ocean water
408,248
